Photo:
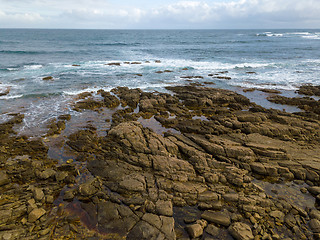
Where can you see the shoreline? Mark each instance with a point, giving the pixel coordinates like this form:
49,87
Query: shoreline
219,168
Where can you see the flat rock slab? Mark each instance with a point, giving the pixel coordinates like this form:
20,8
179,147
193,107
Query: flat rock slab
217,218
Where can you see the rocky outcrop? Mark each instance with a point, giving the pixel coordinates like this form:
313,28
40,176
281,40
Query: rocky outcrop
200,177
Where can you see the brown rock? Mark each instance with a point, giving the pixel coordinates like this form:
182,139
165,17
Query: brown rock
194,230
35,214
217,217
4,179
240,231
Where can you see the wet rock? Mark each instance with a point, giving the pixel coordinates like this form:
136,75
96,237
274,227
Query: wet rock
240,231
83,141
46,174
35,214
89,188
194,230
117,219
114,64
5,91
217,217
4,179
309,90
88,104
47,78
212,230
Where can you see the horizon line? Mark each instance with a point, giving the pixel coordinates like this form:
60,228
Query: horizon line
150,29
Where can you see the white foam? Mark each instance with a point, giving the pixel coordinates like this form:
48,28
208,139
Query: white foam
13,69
33,67
274,34
6,97
317,37
90,89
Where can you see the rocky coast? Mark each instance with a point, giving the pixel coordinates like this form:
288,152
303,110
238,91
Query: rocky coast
194,163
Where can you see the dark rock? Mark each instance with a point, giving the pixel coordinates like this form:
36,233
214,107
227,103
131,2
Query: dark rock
47,78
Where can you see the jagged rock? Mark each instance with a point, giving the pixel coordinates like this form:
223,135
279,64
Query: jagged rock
240,231
46,174
89,188
277,215
38,194
35,214
4,179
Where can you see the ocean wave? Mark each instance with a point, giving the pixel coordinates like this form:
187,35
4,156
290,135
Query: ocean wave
6,97
33,67
317,37
89,89
116,44
22,52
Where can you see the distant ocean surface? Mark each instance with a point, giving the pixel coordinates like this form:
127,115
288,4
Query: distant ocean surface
78,62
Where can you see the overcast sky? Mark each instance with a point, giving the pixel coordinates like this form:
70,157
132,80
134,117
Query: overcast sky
166,14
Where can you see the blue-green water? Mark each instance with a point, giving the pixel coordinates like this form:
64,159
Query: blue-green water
280,59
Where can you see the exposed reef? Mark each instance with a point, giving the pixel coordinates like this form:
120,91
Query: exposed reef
195,163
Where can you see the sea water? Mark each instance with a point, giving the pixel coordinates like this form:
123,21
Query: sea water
77,60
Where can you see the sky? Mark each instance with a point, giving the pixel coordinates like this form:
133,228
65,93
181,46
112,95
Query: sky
165,14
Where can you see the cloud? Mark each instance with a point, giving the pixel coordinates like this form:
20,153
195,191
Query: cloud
171,14
10,19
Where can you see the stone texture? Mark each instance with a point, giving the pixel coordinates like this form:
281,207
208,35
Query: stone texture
240,231
35,214
217,217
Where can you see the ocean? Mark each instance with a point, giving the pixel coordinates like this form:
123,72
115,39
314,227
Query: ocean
79,61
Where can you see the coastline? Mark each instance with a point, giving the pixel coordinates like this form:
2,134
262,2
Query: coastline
211,163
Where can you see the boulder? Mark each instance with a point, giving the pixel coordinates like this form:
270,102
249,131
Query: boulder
217,217
240,231
194,230
35,214
4,179
315,225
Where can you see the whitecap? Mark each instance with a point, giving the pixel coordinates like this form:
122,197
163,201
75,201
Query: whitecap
317,37
6,97
33,67
90,89
12,69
